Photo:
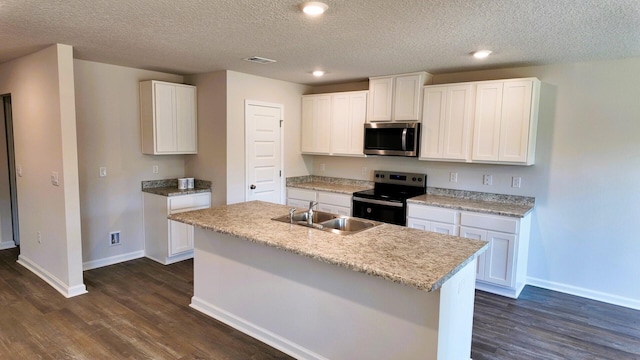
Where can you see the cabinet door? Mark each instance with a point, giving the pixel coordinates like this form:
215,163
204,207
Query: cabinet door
316,124
477,234
180,237
486,129
406,97
186,126
419,224
515,120
357,117
457,124
380,99
442,228
499,260
335,209
432,136
164,118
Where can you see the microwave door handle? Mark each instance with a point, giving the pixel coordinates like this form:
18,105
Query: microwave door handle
404,139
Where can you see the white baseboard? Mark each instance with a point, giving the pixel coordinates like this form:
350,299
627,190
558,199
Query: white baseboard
7,245
585,293
94,264
64,289
254,331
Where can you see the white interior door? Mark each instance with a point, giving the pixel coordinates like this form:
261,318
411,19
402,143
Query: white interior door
263,151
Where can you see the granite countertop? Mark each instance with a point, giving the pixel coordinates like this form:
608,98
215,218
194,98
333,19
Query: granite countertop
169,187
420,259
329,184
495,204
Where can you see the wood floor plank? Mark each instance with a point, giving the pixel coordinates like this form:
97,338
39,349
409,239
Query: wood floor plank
139,310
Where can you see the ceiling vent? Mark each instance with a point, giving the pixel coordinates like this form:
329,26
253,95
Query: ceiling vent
259,60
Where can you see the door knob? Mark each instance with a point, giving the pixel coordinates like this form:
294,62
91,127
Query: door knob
252,187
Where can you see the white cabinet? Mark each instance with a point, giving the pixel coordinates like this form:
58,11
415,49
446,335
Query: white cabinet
447,121
333,124
502,269
316,124
434,219
168,118
396,98
327,201
505,121
167,241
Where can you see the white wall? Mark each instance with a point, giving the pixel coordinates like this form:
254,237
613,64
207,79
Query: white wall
585,180
241,87
108,120
42,94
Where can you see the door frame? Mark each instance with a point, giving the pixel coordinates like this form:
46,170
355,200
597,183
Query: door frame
248,103
7,116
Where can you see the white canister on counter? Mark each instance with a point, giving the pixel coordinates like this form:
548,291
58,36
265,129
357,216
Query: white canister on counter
191,182
183,184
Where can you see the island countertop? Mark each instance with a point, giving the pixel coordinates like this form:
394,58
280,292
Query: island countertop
420,259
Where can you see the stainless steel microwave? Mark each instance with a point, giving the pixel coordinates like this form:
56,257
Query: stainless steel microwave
398,139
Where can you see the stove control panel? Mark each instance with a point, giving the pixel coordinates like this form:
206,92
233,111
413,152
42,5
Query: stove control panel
400,178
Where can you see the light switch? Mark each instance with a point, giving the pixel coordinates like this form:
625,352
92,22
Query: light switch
103,171
19,170
55,180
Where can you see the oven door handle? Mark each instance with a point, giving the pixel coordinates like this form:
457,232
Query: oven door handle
378,202
404,139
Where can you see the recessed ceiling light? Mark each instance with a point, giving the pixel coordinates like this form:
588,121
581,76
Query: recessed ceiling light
318,73
481,54
314,8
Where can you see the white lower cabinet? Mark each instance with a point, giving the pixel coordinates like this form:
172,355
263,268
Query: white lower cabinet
502,269
434,219
327,201
167,241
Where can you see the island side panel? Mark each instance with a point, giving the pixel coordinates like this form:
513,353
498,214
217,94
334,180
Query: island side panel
457,299
310,309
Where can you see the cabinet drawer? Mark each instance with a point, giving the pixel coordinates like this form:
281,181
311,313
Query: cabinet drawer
490,222
433,214
334,199
189,202
301,194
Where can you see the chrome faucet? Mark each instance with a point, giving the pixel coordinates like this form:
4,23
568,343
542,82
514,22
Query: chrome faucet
291,212
310,213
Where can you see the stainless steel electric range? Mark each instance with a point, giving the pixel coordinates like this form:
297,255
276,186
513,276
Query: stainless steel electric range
387,201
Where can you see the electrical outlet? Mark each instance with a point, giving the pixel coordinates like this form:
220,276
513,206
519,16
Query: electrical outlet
487,179
103,171
364,171
19,170
322,167
39,235
55,179
155,169
114,238
453,177
516,181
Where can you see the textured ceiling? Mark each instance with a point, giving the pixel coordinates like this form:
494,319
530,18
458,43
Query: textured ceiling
355,39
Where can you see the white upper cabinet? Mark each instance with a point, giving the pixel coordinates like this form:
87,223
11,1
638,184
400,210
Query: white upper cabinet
447,120
333,124
316,124
396,98
168,118
506,118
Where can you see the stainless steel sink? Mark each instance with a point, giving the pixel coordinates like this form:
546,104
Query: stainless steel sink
348,224
337,224
318,217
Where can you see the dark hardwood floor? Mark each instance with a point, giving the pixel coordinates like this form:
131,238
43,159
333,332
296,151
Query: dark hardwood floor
139,310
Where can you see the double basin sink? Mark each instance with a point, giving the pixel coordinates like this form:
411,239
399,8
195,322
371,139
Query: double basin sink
337,224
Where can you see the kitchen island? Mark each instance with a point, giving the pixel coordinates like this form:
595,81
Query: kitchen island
388,292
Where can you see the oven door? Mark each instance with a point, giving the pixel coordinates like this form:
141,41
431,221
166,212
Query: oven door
391,212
